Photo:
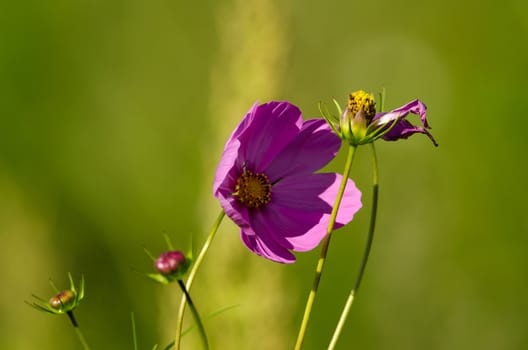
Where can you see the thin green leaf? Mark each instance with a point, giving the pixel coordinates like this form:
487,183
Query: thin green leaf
211,315
40,307
149,254
168,241
157,278
338,107
53,286
72,285
169,346
81,289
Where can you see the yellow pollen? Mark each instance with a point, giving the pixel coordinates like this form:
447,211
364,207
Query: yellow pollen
360,100
253,190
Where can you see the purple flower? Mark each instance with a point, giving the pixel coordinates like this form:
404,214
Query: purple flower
402,128
266,184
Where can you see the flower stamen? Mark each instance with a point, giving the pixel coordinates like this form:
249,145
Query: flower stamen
362,101
253,189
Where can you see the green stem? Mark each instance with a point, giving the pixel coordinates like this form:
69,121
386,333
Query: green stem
201,329
78,330
192,274
134,334
324,249
368,246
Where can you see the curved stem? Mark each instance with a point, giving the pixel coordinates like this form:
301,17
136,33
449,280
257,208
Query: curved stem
194,311
78,330
324,249
192,274
364,260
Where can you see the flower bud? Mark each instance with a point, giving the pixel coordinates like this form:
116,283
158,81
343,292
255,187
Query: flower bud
63,300
169,262
356,118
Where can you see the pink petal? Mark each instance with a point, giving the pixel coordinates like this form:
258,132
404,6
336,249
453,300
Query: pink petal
313,148
226,175
273,251
234,210
402,128
415,107
298,216
273,127
244,124
350,203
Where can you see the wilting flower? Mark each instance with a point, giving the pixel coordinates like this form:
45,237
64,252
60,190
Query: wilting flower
402,128
62,302
359,124
266,183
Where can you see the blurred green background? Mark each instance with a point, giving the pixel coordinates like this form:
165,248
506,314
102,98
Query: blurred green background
113,117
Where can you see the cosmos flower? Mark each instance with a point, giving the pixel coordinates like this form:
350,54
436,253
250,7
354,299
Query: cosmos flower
266,184
360,124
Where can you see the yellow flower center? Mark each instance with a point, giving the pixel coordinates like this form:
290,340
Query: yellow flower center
253,190
360,100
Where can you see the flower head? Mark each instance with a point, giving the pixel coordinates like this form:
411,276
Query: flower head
169,262
170,266
266,183
360,124
62,302
360,110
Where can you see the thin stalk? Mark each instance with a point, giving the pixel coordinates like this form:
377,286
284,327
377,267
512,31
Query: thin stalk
134,334
192,274
194,311
324,249
366,253
78,330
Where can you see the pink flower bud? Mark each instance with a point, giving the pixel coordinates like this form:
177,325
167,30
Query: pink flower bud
170,262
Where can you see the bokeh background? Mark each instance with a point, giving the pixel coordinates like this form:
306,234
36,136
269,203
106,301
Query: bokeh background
113,115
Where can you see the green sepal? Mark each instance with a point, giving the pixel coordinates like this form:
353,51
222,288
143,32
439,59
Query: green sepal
41,307
330,119
157,277
44,305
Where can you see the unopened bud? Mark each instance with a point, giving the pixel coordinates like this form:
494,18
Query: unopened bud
62,300
170,262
